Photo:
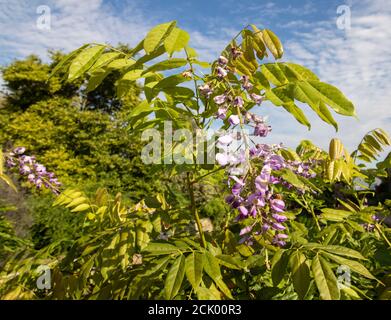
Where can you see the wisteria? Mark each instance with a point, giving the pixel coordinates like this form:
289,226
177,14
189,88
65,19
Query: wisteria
250,171
34,172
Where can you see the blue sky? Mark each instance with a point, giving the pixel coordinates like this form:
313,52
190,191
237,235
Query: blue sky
357,60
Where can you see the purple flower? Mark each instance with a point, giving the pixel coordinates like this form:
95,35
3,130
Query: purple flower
222,61
261,130
256,98
38,182
19,150
222,159
276,162
40,168
27,159
277,205
243,211
10,163
36,173
24,169
234,120
279,243
225,140
278,226
221,73
205,90
245,230
221,113
253,211
220,99
279,218
237,189
238,101
265,227
246,83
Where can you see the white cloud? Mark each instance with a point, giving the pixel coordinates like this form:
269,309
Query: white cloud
358,62
73,23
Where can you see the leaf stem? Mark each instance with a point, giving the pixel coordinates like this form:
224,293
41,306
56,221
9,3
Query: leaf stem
190,186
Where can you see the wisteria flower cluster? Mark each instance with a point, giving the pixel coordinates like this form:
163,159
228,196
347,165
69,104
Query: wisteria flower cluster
250,171
253,195
28,167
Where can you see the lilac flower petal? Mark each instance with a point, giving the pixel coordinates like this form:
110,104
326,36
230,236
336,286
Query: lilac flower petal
243,211
222,159
277,205
221,73
238,101
279,217
245,230
220,99
278,226
222,61
225,140
256,98
234,120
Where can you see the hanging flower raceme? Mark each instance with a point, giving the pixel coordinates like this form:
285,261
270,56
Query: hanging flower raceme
28,167
251,173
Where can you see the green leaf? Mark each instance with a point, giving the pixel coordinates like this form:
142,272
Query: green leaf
179,93
342,251
208,293
81,207
325,279
353,265
8,181
212,268
121,63
301,72
143,228
158,265
230,261
274,74
75,202
248,49
293,179
104,59
160,248
176,41
66,59
273,43
331,96
96,78
84,60
258,44
279,266
334,214
194,265
170,81
297,113
174,278
300,273
167,65
157,35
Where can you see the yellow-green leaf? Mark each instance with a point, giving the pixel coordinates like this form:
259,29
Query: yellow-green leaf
273,43
174,278
325,279
194,265
84,60
157,35
176,41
